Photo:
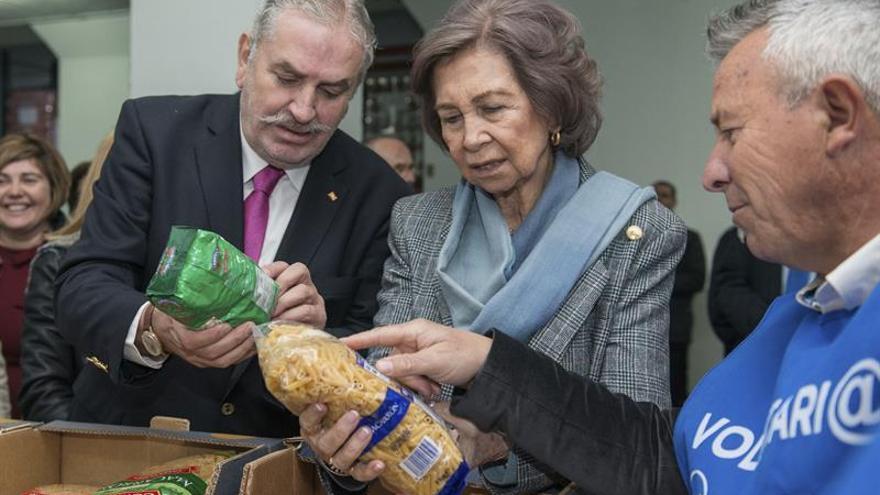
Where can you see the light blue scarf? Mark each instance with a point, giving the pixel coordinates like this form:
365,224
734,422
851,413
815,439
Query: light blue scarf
483,281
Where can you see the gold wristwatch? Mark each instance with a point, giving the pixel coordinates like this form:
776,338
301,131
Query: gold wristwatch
151,341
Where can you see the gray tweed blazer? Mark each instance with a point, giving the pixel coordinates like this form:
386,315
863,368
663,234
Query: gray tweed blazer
612,327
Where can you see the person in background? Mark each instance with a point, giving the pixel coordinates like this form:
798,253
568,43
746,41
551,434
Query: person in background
690,277
269,171
394,151
796,408
77,174
741,289
49,364
575,263
34,182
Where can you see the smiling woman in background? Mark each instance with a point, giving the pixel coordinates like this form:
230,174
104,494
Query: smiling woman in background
533,242
33,186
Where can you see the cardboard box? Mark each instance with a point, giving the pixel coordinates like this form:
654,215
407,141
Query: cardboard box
66,452
280,473
283,473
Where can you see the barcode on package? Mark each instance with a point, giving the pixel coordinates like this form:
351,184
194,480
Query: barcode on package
422,459
264,291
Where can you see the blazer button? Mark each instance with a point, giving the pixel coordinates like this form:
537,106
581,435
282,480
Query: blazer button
227,409
97,363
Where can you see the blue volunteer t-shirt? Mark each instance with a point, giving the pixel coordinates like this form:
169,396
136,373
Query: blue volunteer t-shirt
793,410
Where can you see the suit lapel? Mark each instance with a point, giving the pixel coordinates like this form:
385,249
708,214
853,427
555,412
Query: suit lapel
321,197
218,159
442,307
554,338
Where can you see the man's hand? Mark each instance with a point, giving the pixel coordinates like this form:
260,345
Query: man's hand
426,354
298,299
218,346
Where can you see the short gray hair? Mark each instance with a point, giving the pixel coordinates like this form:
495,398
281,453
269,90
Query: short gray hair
808,40
352,12
544,46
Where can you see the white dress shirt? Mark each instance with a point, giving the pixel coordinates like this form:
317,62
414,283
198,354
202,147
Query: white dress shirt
282,202
848,285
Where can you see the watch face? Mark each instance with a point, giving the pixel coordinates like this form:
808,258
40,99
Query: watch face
151,343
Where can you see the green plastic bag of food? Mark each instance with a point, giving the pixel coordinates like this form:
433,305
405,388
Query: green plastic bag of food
202,279
184,476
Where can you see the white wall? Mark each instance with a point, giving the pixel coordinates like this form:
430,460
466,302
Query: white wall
193,50
93,78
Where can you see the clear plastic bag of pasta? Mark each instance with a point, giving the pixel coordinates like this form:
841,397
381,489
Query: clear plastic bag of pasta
303,366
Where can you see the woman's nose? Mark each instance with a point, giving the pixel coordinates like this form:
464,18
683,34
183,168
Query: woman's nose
475,135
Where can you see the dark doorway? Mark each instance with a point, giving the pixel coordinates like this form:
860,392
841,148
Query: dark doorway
28,83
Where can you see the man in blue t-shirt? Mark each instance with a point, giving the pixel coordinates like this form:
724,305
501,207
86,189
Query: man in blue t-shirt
795,409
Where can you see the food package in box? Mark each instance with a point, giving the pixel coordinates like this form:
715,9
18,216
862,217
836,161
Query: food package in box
62,489
185,476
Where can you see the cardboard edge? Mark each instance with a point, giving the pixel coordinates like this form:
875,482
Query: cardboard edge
146,432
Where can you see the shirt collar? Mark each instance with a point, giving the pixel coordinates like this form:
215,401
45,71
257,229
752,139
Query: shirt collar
848,285
252,163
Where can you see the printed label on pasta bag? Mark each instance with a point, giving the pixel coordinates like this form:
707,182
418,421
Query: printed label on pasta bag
401,390
389,414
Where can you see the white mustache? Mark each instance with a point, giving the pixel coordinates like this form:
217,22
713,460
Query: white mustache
286,120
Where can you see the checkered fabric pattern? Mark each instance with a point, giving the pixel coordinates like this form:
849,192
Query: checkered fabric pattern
612,327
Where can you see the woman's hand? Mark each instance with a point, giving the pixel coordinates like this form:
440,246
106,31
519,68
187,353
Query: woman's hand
340,445
478,448
426,354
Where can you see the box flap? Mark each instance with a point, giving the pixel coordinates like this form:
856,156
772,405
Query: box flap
169,423
281,473
221,439
7,425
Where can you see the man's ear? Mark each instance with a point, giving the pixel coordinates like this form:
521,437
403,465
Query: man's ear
244,52
845,106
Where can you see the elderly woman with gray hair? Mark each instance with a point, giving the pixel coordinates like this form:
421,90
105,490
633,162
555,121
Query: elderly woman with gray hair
533,241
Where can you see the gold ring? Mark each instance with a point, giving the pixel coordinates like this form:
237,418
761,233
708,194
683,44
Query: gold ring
329,466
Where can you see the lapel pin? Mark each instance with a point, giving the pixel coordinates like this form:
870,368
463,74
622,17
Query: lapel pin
332,195
97,363
634,232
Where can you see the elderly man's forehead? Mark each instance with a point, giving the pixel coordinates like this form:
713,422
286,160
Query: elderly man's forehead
743,66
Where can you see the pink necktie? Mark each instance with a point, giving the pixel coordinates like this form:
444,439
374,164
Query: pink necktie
256,210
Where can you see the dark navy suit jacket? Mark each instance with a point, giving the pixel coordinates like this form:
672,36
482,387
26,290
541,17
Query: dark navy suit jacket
177,161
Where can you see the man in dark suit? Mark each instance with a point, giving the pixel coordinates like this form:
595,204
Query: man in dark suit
690,276
321,224
741,289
